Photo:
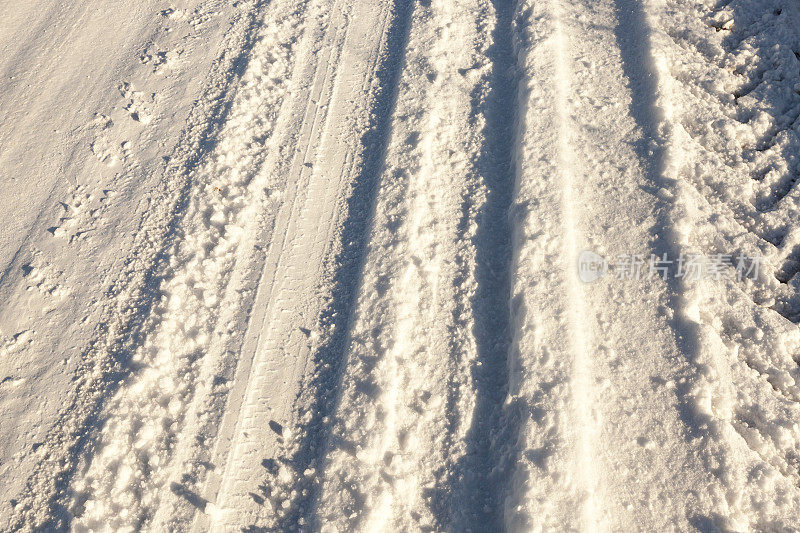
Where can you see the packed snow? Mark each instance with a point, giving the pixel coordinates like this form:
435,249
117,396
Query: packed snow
400,265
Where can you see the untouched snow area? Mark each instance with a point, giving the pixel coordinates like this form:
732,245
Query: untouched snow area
400,265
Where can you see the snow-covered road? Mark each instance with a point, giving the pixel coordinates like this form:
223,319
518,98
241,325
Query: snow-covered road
407,265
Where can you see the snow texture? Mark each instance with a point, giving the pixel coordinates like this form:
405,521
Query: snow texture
321,265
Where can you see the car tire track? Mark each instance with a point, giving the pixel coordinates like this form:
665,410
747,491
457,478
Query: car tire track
321,160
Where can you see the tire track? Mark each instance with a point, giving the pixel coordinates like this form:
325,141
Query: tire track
572,504
480,478
594,366
322,161
321,387
406,398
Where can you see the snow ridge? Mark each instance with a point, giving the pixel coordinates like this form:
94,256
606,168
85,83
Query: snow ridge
744,390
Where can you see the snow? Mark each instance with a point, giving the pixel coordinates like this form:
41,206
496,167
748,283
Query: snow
316,265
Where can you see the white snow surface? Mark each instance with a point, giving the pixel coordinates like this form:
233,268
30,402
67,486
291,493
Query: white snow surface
315,265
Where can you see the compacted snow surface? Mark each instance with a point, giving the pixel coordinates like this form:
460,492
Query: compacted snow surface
400,265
